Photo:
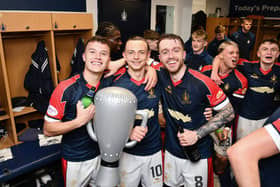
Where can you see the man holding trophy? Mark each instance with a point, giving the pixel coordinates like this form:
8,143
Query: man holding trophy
67,116
143,162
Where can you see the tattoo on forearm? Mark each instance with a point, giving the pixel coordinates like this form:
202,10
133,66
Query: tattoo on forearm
221,118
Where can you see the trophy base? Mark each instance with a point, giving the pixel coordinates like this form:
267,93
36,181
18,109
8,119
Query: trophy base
108,176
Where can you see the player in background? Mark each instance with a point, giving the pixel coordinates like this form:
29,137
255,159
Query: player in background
234,85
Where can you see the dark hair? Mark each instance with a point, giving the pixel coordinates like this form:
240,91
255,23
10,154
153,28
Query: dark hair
278,37
171,37
196,27
138,38
220,29
106,29
270,40
151,34
99,39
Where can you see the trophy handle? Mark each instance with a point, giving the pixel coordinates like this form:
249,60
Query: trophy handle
90,131
145,116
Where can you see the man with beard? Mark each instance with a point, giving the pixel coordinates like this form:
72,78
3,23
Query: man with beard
186,94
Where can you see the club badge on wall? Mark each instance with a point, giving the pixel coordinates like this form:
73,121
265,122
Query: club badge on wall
124,15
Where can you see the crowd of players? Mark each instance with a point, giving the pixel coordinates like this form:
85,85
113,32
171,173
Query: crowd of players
216,94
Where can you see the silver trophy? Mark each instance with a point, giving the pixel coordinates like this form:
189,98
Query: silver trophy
115,111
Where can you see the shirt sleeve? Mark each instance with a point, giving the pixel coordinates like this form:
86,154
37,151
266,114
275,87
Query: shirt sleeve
56,106
274,131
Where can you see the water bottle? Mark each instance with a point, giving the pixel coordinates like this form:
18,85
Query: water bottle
191,152
88,98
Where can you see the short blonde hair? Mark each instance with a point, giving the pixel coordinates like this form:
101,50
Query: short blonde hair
200,33
246,19
223,45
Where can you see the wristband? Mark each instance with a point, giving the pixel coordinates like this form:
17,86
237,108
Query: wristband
219,131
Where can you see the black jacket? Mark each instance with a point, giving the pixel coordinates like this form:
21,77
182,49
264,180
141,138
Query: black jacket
38,79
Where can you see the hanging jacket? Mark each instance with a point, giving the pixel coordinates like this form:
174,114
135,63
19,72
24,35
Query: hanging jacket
38,79
77,63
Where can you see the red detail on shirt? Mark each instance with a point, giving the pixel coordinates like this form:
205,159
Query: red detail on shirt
244,83
64,168
138,83
216,95
119,73
223,76
277,124
241,60
56,98
90,86
210,180
157,66
176,83
265,72
206,68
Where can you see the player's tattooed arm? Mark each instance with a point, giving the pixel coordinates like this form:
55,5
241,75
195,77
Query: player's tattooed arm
225,115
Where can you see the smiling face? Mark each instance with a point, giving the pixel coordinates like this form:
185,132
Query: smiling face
136,54
172,54
268,52
96,57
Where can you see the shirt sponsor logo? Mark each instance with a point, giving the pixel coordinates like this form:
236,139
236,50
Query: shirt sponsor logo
263,89
151,113
255,76
52,111
179,116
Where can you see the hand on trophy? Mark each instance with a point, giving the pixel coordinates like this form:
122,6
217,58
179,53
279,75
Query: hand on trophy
138,133
84,114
